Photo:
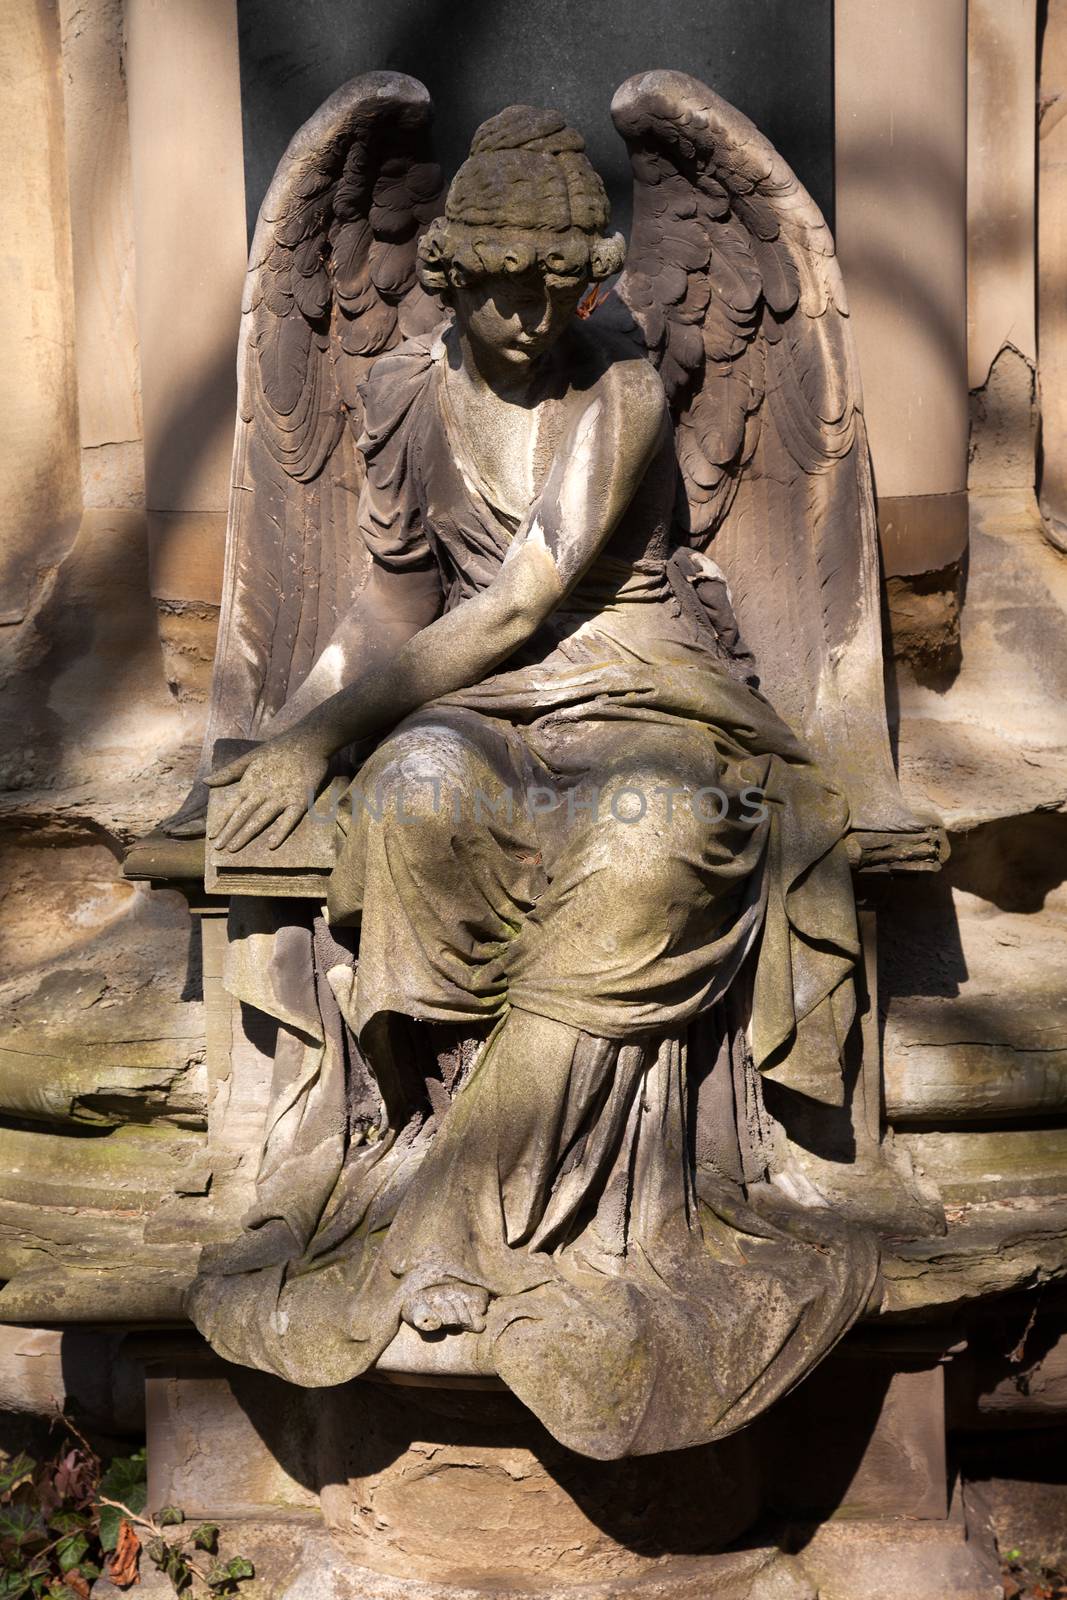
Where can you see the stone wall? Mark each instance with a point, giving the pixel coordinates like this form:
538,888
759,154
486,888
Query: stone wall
121,140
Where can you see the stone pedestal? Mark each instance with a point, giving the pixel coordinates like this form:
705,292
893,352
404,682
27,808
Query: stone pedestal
466,1487
387,1490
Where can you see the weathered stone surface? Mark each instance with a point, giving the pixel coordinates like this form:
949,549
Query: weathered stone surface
1028,1513
40,498
886,1560
431,1484
975,1015
1004,420
1002,46
101,224
102,1016
988,1249
979,1165
459,1493
88,726
1051,247
188,205
441,1493
294,1563
187,631
83,1373
971,979
230,1442
924,622
993,743
877,1420
901,230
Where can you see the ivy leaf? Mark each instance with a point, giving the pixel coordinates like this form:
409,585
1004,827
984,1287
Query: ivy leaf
225,1574
206,1537
69,1522
13,1585
124,1477
125,1480
17,1470
177,1569
21,1524
170,1517
69,1551
156,1550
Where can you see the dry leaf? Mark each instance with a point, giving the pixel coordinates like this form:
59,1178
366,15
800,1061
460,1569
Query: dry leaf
122,1568
73,1477
80,1585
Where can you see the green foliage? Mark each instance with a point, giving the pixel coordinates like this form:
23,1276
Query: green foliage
124,1480
57,1534
18,1470
71,1551
176,1560
226,1575
48,1534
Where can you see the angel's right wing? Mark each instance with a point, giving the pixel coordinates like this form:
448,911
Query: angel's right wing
331,285
732,280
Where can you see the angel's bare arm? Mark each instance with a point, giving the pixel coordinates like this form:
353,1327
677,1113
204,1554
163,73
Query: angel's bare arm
391,608
594,478
596,473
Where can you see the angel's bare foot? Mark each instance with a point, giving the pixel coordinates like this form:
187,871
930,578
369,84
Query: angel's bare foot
450,1304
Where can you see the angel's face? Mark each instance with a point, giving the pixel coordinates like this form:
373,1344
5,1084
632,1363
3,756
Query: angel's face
513,319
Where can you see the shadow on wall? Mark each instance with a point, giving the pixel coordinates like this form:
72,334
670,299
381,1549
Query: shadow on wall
772,58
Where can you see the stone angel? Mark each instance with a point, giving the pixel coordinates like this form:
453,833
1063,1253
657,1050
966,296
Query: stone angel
578,590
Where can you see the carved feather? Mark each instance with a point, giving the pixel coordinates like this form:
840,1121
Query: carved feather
732,280
331,285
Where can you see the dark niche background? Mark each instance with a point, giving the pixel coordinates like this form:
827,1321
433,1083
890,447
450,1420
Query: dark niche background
771,58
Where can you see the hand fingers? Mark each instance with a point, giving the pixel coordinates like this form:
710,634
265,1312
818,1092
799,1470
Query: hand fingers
284,826
255,824
230,772
242,808
246,808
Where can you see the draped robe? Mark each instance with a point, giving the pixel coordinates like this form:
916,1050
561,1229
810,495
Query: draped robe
579,911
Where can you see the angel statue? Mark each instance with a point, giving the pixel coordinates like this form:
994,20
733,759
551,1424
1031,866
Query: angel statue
592,882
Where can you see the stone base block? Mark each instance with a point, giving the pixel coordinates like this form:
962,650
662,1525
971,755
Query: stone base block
466,1487
886,1560
294,1563
411,1491
868,1560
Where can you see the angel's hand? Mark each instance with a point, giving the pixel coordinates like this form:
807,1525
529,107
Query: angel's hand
273,787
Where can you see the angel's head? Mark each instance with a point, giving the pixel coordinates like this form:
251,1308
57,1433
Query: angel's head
523,234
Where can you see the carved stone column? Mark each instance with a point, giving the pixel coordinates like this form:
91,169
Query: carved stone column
1052,250
901,224
1001,200
188,192
40,492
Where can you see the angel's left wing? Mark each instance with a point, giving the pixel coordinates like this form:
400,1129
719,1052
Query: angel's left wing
331,286
732,280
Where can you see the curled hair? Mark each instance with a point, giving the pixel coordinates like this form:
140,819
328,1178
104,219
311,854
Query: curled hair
527,196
